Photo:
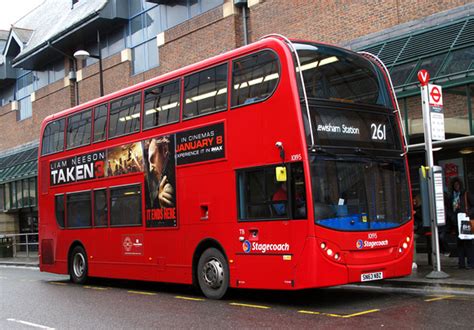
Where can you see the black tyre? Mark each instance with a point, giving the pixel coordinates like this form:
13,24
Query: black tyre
213,274
78,265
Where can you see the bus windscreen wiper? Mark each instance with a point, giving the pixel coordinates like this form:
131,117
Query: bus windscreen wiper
322,151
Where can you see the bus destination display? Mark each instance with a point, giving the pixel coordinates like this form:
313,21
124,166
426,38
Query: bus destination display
356,128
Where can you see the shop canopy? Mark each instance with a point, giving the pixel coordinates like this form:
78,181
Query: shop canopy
445,51
18,166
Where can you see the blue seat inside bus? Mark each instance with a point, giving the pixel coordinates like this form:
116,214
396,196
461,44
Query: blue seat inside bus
354,222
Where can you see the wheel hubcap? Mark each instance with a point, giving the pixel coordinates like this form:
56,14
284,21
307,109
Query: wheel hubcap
78,265
213,273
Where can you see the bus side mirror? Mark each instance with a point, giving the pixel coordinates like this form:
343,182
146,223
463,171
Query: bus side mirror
280,173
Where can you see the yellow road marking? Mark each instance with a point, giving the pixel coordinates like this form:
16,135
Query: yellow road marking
57,283
143,292
320,313
339,315
189,298
94,287
362,313
439,298
248,305
309,312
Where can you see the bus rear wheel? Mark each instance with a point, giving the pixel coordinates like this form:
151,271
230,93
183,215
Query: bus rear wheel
213,274
78,265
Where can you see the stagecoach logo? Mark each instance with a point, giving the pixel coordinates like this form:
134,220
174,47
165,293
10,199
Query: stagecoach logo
360,244
246,246
265,247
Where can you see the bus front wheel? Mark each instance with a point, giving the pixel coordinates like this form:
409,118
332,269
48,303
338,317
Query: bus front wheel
213,274
78,265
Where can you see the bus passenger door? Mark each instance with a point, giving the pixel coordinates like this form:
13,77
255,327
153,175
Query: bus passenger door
271,200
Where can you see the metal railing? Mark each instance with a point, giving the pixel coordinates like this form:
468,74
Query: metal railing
22,245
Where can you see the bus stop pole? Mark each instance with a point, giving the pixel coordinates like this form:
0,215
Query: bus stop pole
436,273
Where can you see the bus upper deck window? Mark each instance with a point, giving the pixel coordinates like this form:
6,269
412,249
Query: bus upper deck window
254,77
125,115
53,137
205,92
100,123
162,105
79,129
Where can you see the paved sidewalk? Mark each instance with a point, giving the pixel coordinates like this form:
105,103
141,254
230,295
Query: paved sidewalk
20,261
458,280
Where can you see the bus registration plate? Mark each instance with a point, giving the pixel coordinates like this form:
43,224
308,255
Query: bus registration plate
371,276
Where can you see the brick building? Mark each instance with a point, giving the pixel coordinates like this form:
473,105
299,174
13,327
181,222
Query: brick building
140,39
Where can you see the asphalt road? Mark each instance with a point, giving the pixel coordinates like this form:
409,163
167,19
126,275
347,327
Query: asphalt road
30,299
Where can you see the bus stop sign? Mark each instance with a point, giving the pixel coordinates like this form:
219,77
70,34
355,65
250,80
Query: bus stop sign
423,77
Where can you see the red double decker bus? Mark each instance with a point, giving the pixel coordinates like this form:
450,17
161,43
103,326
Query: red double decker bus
278,165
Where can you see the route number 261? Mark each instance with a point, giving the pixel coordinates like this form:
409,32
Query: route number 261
379,132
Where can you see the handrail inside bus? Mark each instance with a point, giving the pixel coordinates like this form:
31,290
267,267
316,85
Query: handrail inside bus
392,90
293,49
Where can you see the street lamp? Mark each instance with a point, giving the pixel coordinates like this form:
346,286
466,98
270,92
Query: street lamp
84,55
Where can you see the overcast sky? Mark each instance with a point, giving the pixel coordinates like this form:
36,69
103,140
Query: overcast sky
12,10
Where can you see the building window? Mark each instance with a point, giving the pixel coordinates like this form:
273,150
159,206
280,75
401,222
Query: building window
8,197
111,41
125,206
145,56
125,115
205,91
50,74
7,94
79,129
53,137
162,104
147,20
26,108
24,88
79,210
2,197
32,188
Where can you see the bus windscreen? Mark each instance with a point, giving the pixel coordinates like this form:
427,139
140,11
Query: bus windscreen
354,194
